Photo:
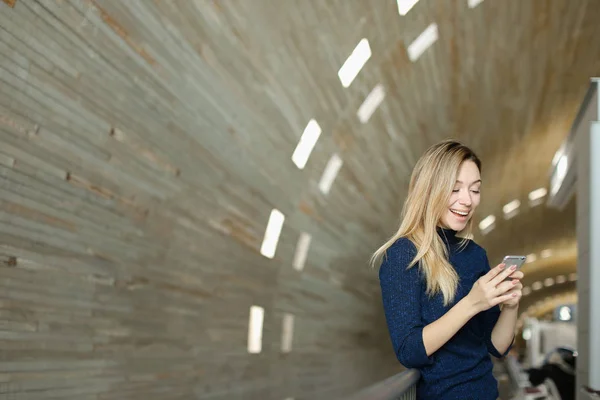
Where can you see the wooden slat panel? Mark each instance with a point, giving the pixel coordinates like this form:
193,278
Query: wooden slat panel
144,144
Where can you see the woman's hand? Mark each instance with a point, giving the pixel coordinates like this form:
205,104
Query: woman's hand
517,290
492,289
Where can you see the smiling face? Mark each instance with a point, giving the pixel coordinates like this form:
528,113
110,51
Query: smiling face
464,198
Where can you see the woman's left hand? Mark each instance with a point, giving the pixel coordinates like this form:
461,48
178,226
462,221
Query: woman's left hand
516,278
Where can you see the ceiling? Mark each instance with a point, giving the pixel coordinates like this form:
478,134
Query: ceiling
143,145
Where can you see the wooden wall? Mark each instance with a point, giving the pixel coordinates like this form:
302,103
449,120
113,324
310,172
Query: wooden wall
143,145
142,149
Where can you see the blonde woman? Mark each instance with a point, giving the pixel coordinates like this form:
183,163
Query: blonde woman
445,309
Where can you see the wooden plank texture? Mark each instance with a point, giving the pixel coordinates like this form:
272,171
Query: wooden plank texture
143,145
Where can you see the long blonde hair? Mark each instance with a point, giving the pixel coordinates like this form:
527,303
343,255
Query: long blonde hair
431,184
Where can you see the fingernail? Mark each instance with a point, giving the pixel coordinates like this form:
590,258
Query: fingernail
502,266
515,282
514,295
513,267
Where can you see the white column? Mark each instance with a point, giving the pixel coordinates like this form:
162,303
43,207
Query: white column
588,243
594,258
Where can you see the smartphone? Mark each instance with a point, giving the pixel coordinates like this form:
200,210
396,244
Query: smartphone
514,260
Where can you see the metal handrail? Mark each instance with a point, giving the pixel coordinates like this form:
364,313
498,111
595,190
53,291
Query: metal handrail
402,386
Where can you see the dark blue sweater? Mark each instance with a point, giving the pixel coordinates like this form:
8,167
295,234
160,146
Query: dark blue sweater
460,369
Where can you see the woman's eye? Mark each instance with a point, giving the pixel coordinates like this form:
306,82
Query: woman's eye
475,191
455,190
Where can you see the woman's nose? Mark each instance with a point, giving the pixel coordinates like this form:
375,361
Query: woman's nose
465,200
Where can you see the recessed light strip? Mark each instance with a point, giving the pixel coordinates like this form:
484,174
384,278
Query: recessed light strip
474,3
404,6
537,194
355,62
487,224
255,328
373,100
330,172
428,37
546,253
511,209
307,142
287,333
269,244
301,251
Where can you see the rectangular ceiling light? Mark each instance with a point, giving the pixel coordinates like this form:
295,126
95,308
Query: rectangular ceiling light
269,244
546,253
511,209
537,194
306,144
474,3
352,66
536,197
255,328
287,333
373,100
487,224
404,6
330,172
423,42
301,251
530,258
572,277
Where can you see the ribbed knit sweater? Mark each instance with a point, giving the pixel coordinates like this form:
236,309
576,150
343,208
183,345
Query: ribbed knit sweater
462,368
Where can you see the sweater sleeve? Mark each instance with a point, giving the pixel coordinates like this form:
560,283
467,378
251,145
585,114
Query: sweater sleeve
401,294
488,319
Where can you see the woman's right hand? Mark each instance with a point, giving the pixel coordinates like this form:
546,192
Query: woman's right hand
491,289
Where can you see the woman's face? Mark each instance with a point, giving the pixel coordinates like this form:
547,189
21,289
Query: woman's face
464,198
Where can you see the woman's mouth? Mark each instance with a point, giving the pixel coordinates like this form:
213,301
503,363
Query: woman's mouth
459,213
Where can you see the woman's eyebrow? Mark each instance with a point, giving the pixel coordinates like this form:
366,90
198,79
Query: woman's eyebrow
477,181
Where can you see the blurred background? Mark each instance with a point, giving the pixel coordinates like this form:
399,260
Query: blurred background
190,191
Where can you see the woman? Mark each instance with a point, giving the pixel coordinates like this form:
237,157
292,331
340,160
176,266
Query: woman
445,309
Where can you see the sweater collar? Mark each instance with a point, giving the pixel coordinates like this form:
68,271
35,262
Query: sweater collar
448,235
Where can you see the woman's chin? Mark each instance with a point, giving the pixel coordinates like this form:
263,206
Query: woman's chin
456,225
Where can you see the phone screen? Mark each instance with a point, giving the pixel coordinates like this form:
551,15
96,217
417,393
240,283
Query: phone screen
514,260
